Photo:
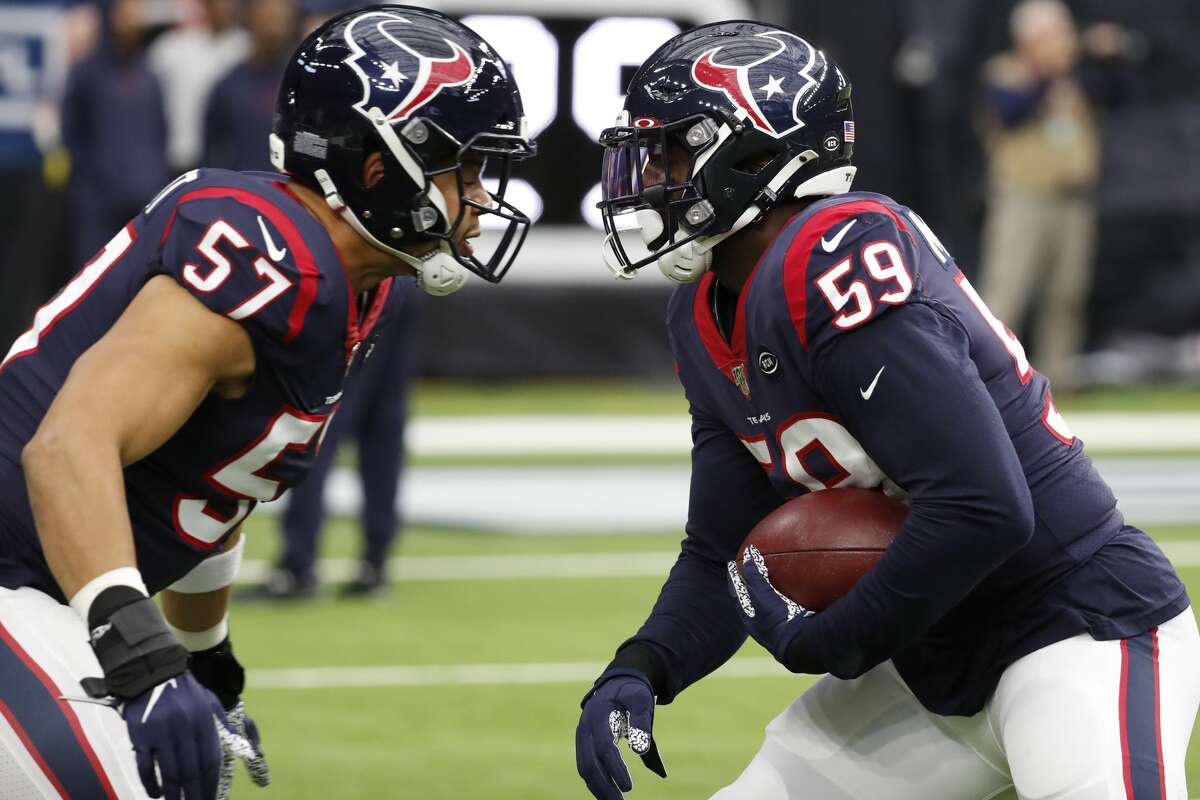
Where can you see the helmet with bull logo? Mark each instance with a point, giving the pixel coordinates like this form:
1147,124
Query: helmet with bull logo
426,93
719,124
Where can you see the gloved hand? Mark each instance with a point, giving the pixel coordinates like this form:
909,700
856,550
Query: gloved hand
172,720
172,729
240,742
770,617
218,670
619,705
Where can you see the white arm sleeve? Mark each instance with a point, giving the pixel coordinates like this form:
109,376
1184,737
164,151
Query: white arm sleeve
214,572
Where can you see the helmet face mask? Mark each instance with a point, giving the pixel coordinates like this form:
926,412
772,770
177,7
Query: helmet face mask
734,117
433,99
467,163
652,201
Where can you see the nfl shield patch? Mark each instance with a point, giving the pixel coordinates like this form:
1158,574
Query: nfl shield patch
739,377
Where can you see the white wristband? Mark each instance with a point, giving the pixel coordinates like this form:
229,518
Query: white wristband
121,576
215,572
202,640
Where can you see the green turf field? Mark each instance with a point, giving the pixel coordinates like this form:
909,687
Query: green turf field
491,741
620,397
441,706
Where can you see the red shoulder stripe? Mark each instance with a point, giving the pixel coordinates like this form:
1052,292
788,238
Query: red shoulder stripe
795,262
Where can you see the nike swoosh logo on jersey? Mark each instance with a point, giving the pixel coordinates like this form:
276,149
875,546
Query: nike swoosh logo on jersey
276,253
829,245
156,693
870,390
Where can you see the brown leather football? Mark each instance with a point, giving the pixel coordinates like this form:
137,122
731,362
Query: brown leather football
818,545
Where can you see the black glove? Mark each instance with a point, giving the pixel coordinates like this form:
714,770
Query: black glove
620,705
219,671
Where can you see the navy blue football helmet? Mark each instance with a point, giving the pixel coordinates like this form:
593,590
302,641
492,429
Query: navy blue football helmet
425,92
719,124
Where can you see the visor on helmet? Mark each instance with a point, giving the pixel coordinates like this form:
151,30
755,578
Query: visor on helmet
652,197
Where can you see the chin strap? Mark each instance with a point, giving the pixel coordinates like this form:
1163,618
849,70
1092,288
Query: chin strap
688,262
438,273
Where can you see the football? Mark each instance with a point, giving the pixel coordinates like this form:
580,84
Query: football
818,545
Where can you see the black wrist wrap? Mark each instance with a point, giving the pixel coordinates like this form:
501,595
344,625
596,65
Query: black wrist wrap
642,657
218,670
132,643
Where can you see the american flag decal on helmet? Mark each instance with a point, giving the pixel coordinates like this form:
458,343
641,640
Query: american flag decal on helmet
848,131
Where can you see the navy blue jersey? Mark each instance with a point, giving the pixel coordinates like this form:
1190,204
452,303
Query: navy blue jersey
861,356
244,246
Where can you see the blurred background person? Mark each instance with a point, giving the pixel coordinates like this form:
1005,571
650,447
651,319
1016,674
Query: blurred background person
189,60
1042,143
238,115
373,413
34,165
375,408
114,129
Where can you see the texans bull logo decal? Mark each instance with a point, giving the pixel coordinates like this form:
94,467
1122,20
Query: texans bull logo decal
753,86
396,78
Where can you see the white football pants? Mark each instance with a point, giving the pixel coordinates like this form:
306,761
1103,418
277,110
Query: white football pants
1078,720
52,748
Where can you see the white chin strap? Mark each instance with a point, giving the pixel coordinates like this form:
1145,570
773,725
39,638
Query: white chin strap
688,262
438,273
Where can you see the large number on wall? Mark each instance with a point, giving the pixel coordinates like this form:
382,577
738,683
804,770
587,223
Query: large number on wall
602,53
531,53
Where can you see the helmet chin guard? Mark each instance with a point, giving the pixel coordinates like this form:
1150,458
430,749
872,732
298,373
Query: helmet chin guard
688,260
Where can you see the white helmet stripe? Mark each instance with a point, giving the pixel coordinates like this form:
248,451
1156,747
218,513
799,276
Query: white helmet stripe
388,134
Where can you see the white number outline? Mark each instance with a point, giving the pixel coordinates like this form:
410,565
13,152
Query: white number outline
896,272
278,283
244,478
1052,420
221,268
74,293
837,300
801,434
760,448
1007,338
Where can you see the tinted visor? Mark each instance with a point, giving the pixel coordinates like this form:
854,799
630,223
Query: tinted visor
651,168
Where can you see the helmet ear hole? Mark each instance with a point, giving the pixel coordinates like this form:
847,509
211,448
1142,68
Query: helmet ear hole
756,162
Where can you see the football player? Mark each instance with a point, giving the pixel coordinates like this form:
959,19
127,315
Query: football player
189,371
1018,635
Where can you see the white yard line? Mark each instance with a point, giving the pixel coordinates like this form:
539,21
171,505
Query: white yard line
498,567
580,672
639,435
649,564
613,498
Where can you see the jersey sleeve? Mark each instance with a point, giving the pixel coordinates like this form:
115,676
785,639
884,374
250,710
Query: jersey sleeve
928,422
242,263
847,265
695,626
